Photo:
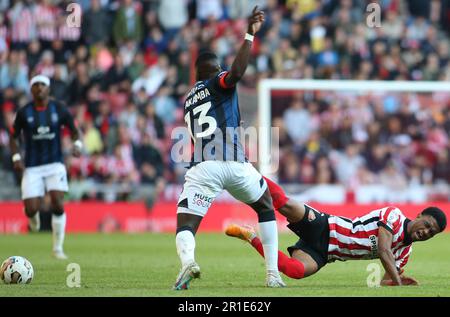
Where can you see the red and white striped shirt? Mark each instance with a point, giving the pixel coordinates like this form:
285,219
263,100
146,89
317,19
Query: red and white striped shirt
67,33
22,24
357,239
46,16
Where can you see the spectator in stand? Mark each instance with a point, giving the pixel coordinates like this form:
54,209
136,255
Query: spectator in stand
315,147
67,34
33,53
151,167
80,83
393,27
13,74
46,65
58,86
129,117
105,121
153,77
116,75
441,170
136,67
324,173
173,15
377,158
46,15
154,125
3,35
22,24
127,25
285,141
347,163
290,169
165,105
209,8
96,24
283,56
297,116
394,181
91,137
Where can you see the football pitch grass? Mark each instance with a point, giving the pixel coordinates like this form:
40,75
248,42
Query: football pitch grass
147,264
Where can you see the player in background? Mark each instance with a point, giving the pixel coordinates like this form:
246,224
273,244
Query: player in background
212,115
42,169
383,233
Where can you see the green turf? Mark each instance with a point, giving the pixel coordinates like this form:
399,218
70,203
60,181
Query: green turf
147,265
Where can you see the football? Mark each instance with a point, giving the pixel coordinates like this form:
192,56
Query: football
16,270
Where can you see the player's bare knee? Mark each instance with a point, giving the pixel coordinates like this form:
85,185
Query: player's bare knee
264,209
188,222
293,211
58,212
57,208
263,204
31,211
32,206
311,268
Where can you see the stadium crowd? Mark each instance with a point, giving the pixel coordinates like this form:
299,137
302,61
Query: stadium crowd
123,74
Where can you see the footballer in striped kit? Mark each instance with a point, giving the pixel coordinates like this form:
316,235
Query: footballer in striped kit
383,233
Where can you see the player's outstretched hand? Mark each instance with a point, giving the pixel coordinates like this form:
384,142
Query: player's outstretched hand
255,21
406,281
387,283
409,281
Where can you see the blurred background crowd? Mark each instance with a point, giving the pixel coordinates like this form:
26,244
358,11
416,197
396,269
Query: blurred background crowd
123,74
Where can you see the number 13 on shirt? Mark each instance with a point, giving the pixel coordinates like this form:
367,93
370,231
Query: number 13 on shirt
202,119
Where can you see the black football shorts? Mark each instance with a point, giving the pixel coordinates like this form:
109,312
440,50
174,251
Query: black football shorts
314,233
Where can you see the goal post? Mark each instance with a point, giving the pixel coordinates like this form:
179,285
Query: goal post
266,86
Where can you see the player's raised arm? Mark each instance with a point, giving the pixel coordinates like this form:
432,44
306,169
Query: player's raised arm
241,60
386,256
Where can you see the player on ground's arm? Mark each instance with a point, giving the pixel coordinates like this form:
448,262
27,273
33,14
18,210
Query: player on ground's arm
218,162
383,233
41,122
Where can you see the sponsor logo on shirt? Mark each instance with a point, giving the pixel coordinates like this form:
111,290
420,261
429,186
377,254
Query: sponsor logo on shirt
43,133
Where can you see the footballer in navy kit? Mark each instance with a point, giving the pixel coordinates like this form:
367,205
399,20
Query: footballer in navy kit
218,161
42,169
213,118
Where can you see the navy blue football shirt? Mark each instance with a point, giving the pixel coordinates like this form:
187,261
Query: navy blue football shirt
211,111
42,132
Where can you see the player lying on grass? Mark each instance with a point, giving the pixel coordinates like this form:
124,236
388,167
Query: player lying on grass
383,233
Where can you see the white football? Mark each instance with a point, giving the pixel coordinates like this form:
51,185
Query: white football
16,270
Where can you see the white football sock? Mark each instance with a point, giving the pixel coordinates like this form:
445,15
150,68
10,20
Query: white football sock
269,239
185,242
59,228
34,222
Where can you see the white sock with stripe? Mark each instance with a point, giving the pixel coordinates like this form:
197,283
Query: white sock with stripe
185,242
59,230
269,239
34,222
